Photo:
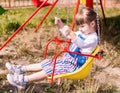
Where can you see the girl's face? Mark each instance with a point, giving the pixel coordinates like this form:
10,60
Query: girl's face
87,28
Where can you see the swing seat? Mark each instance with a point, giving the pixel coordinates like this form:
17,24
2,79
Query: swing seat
37,3
82,72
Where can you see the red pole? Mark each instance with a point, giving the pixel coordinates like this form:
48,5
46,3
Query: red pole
18,30
76,10
103,12
89,3
46,15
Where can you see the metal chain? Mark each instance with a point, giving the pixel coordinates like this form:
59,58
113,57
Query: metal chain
68,11
58,13
98,22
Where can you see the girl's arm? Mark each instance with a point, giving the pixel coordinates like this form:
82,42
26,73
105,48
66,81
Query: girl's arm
59,22
90,41
66,31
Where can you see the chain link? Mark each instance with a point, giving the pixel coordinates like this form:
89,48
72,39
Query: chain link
98,22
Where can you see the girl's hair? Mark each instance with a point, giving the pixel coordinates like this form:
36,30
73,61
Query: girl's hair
86,15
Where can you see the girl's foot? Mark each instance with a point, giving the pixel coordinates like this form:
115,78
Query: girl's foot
15,68
17,81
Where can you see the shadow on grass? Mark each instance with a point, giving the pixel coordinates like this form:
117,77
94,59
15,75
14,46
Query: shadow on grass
111,31
32,88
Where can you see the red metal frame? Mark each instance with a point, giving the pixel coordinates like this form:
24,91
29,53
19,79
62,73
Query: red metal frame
89,3
52,6
18,30
58,42
103,12
76,10
64,49
37,3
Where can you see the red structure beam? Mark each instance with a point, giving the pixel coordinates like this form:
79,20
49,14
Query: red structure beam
46,15
103,12
76,10
18,30
89,3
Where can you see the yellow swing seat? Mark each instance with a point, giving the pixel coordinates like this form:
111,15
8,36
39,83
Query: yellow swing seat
83,71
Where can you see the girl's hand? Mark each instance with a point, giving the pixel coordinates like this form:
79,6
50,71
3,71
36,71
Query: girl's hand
58,22
67,32
70,33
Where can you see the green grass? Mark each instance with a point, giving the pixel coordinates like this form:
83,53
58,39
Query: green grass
111,31
13,18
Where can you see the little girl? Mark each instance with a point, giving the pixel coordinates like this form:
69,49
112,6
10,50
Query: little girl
83,41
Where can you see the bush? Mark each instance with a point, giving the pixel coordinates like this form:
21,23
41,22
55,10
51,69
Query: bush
11,27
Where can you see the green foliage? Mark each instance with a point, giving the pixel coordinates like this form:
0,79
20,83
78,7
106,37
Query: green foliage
2,10
31,25
11,27
13,18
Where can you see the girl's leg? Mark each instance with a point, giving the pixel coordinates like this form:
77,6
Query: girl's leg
22,69
33,67
38,66
36,76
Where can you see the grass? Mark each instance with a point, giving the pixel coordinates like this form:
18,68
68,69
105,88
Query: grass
113,29
13,18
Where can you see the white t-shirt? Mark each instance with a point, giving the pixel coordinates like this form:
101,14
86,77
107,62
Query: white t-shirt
85,43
